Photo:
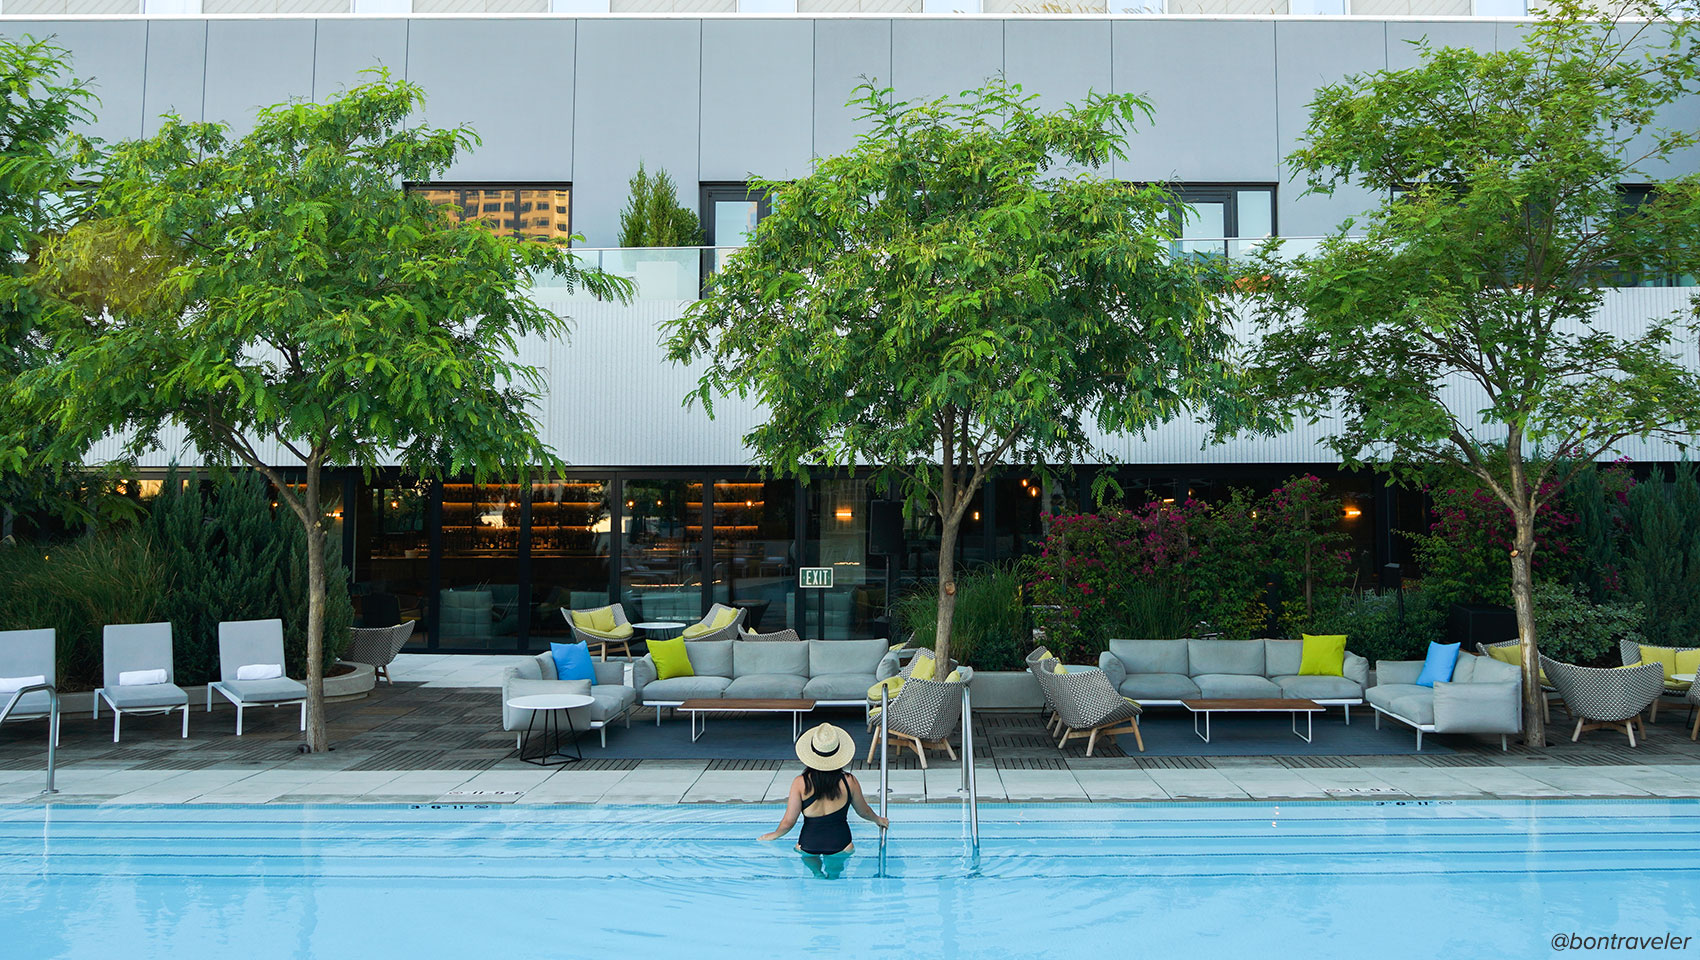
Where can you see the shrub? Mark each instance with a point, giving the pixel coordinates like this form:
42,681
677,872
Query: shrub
654,217
1573,630
989,630
1374,629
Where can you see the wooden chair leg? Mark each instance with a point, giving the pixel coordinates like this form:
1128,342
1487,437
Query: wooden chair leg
1629,728
1092,741
945,743
1652,714
1137,739
873,744
1578,734
1694,733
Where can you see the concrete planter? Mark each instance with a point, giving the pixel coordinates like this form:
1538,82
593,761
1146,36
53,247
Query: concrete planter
1006,690
351,686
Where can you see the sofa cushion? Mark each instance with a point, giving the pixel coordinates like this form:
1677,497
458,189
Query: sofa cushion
1244,657
671,659
1416,707
1151,656
610,700
1319,688
764,659
1324,655
763,686
686,688
710,658
1442,659
828,657
572,661
1159,686
1387,696
1234,686
840,686
1281,658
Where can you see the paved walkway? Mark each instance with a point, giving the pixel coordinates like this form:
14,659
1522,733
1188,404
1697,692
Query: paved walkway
432,738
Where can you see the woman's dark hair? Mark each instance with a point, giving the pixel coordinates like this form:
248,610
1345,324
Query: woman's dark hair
822,784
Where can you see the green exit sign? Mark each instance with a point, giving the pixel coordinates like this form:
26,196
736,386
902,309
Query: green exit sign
814,578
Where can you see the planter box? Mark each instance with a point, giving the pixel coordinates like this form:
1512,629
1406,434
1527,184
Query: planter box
1006,690
351,686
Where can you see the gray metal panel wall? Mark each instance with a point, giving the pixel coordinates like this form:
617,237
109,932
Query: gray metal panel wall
176,71
253,64
112,54
846,52
758,88
344,49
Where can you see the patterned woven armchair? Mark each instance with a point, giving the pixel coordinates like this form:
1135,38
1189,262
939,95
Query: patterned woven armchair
721,623
1049,711
923,716
1087,705
778,636
1548,691
1630,651
1602,697
1694,708
378,646
601,627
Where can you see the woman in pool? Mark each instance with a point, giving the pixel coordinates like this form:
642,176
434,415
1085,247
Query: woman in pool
823,795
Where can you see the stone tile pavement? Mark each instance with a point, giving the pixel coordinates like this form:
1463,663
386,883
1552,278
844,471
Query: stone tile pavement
432,737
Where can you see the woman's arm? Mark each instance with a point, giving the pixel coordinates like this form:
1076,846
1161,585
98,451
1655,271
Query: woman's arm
793,807
862,809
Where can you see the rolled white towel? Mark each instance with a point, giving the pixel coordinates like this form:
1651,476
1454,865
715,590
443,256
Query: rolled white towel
259,671
140,678
14,684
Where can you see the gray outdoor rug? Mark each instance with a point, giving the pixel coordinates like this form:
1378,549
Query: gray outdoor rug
1168,733
737,737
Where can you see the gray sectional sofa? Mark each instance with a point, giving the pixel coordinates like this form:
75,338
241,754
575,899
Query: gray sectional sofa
537,675
829,672
1156,672
1484,696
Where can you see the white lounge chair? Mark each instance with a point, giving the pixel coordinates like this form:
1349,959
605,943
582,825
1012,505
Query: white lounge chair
140,653
29,655
254,643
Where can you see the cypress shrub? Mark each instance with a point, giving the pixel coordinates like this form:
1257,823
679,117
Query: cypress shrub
79,586
1662,557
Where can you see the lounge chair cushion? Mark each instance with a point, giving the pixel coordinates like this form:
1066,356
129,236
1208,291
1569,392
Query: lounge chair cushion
1231,686
1159,686
686,688
29,704
840,686
1323,656
671,658
1319,688
146,696
845,656
761,686
891,686
767,659
1281,658
1244,657
266,691
1151,656
710,658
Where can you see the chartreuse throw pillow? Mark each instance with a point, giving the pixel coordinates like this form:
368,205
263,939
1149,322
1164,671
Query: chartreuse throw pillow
1663,656
671,659
1322,656
891,685
1688,661
924,667
572,661
1438,665
1512,655
1059,668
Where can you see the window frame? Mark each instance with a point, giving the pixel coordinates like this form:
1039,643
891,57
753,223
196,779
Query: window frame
710,192
513,186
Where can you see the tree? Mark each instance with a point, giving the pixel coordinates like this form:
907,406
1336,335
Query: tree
279,291
654,217
1506,225
938,303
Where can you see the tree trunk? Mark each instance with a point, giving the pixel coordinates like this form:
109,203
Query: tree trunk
952,521
317,739
1522,598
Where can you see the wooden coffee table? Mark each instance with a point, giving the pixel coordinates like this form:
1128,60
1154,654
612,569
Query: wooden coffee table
796,708
1266,705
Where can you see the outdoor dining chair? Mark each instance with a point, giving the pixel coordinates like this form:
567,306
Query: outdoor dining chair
377,647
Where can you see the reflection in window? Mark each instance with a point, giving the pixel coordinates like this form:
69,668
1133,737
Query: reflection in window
730,212
1226,219
479,603
661,550
570,530
392,557
533,212
755,527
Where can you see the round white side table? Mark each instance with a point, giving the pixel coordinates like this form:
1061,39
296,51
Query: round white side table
552,706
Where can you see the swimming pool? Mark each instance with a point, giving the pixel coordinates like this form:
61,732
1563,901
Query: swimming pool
1322,879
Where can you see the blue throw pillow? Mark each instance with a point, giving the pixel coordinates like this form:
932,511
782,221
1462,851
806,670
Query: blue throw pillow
572,661
1437,667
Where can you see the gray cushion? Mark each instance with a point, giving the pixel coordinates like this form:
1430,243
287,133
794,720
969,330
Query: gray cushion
1244,657
1478,707
1319,688
767,659
762,686
610,700
1159,686
1281,658
29,704
1233,686
1415,707
514,718
710,658
1151,656
1388,696
266,691
846,656
1465,669
1489,670
686,688
838,686
146,697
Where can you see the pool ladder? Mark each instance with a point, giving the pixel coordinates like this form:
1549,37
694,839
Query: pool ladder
52,722
969,790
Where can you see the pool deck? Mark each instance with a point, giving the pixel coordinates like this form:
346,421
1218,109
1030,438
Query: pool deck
432,738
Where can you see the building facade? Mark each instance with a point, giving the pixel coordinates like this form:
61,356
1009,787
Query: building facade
662,508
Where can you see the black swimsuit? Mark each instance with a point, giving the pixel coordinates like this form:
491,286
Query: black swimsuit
826,834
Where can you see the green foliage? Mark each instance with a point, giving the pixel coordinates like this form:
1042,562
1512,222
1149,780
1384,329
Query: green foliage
1661,557
1575,630
990,629
654,217
77,588
1463,554
1374,628
234,557
949,297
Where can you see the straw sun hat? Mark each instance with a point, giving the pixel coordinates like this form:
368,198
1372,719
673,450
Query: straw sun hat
825,748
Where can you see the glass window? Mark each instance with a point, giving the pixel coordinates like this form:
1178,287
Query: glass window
855,606
1224,219
533,212
571,526
730,212
755,531
479,600
392,556
661,550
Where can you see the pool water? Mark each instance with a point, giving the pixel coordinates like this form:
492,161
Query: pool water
1323,879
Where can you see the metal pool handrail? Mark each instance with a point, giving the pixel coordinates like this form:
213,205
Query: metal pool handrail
52,722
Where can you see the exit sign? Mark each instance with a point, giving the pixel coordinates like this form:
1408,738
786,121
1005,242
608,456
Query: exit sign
814,578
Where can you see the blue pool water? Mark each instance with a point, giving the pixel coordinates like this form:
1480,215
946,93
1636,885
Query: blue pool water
1383,880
